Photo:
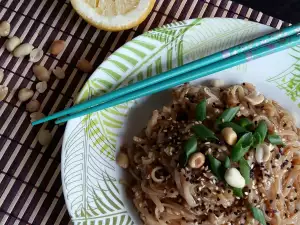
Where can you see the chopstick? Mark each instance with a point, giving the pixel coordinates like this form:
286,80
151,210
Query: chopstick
177,71
193,75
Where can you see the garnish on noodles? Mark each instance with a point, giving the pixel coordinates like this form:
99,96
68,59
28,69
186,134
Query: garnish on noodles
216,156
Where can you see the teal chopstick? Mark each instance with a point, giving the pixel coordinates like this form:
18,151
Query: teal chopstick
193,75
177,71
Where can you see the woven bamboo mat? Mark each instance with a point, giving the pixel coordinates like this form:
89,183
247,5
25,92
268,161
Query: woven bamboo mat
30,185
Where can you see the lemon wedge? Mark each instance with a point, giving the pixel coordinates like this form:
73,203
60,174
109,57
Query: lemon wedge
113,15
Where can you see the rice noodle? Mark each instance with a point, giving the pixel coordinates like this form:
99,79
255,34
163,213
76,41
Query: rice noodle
154,177
165,193
148,160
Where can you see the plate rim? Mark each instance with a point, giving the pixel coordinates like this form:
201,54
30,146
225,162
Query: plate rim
94,74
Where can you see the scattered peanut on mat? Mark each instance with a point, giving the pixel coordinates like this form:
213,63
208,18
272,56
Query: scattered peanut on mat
41,87
44,137
84,66
23,50
59,73
25,94
3,92
33,106
36,55
4,28
18,49
36,116
57,47
41,73
12,43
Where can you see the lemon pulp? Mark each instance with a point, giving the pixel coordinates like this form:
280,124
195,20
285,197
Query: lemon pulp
113,15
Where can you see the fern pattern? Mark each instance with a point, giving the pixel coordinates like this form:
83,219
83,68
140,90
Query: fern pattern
138,59
289,80
88,160
90,188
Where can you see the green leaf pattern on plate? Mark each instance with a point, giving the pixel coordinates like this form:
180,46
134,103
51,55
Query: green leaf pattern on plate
91,198
289,79
89,176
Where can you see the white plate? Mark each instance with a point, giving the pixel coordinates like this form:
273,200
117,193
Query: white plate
90,175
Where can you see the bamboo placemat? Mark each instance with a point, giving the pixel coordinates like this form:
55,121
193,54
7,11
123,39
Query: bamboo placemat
30,185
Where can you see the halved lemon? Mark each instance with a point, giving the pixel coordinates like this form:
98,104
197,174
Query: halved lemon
113,15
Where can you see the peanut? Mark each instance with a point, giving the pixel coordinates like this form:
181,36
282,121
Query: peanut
84,66
41,73
3,92
4,28
36,55
57,47
12,43
23,50
25,94
33,106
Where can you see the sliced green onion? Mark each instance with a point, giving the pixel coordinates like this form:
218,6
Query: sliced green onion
227,115
189,147
257,139
241,147
245,169
262,129
203,133
260,132
275,139
227,162
216,167
246,123
237,128
237,192
246,140
201,110
238,152
258,215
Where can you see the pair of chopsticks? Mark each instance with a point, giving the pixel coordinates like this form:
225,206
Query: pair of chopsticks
257,48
